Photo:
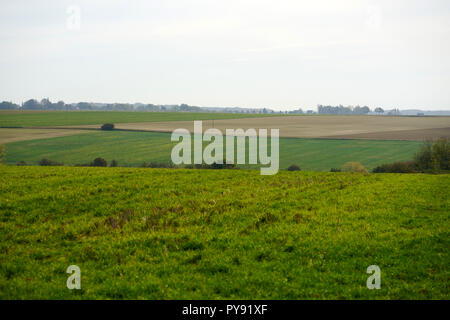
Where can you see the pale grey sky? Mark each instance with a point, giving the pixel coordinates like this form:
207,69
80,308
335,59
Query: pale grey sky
279,54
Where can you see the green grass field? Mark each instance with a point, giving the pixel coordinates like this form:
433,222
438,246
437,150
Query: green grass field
133,148
68,118
221,234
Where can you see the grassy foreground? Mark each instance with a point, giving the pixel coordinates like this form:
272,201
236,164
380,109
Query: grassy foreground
67,118
208,234
133,148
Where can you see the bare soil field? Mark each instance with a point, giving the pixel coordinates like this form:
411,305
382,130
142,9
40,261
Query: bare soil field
336,127
322,126
19,134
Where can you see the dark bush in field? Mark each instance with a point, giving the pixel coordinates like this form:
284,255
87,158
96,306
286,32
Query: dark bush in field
108,126
158,165
214,165
114,163
99,162
335,170
48,162
293,167
223,165
397,167
21,163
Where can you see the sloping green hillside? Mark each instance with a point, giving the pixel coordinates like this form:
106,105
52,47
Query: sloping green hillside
206,234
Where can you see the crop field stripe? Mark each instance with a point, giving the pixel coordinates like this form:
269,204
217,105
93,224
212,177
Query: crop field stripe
66,118
134,148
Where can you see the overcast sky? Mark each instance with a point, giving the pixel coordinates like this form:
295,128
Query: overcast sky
280,54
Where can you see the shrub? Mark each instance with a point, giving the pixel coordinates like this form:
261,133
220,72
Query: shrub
223,165
215,165
293,167
434,156
423,157
440,154
114,163
158,165
397,167
335,170
48,162
108,126
354,167
21,163
99,162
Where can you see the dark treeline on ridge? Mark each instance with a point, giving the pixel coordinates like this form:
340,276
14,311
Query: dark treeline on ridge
46,104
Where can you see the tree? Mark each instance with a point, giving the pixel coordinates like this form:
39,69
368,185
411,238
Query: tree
434,156
5,105
440,154
108,126
396,167
379,110
84,106
99,162
294,167
48,162
31,104
59,105
365,110
46,104
114,163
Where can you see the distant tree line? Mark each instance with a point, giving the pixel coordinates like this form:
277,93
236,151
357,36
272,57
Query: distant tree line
6,105
46,104
340,109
